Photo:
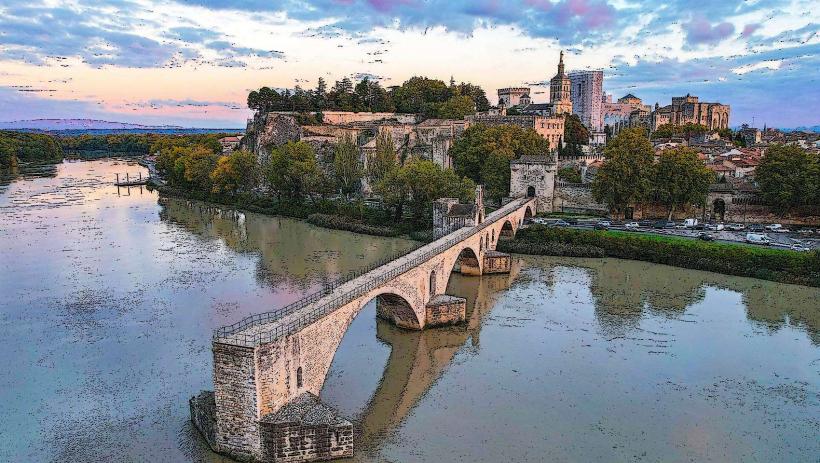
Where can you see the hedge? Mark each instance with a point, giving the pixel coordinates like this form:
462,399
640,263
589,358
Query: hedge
780,265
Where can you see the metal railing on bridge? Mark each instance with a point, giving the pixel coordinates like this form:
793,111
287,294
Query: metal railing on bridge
232,334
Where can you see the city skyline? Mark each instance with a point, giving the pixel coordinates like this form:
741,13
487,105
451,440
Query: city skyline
192,64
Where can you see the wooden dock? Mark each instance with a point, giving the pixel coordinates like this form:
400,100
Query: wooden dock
132,181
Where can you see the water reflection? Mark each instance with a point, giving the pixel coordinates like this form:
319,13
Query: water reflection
624,290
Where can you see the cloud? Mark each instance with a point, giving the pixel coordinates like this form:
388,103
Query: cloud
700,31
749,29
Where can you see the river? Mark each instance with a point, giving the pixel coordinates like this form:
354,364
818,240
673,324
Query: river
108,298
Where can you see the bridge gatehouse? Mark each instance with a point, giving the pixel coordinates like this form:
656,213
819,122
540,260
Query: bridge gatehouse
269,368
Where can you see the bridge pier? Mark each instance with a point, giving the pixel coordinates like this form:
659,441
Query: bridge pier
444,309
497,262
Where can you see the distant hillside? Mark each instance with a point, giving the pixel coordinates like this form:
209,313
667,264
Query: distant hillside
78,124
814,128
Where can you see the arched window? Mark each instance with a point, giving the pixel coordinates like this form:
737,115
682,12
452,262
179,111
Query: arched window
493,235
299,377
432,283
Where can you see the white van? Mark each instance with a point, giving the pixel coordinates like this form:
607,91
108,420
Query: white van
690,223
757,238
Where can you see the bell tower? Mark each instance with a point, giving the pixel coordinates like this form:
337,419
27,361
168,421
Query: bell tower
560,86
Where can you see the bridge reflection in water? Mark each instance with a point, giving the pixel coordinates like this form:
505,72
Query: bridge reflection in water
416,360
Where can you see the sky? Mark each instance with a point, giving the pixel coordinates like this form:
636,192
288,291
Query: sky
193,62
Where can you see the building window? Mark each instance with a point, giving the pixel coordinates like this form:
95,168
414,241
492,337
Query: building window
299,377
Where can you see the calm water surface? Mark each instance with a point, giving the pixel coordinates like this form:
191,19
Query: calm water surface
108,299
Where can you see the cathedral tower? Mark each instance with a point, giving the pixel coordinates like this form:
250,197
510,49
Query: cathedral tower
560,90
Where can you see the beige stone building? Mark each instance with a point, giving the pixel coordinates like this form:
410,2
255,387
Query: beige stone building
628,111
560,90
688,109
513,96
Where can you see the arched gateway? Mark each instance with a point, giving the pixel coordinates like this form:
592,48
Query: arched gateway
269,368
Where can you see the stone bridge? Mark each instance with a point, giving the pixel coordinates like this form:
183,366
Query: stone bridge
269,368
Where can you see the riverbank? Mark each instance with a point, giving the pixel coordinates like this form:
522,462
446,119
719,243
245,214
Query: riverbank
778,265
349,216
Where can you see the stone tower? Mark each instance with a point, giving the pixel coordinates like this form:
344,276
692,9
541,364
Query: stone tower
534,176
560,86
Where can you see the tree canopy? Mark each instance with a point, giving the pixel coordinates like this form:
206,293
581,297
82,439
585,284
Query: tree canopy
624,178
422,95
789,178
483,154
680,179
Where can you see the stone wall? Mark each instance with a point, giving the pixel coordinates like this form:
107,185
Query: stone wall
235,401
576,197
203,415
444,309
267,131
538,175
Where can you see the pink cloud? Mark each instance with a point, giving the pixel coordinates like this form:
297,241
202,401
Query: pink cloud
385,6
591,13
750,29
700,30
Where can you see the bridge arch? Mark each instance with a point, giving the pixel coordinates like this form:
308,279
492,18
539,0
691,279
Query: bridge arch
507,230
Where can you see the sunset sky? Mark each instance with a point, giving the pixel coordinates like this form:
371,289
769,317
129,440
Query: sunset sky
192,62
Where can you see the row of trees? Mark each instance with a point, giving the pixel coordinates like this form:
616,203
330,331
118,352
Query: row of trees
630,175
430,97
137,143
27,147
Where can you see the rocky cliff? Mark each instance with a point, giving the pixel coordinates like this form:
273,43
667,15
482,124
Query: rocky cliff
267,131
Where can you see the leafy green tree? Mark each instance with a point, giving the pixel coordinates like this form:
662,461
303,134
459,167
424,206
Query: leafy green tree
476,93
292,170
789,177
569,174
383,160
625,177
196,165
346,165
680,179
456,107
575,132
664,131
494,146
236,172
420,95
8,152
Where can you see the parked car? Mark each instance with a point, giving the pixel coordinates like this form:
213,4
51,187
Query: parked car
799,247
715,226
735,227
559,223
540,221
646,223
777,228
755,228
700,226
631,225
705,237
664,224
757,238
602,225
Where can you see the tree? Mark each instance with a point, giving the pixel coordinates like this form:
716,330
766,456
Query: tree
569,174
196,165
420,95
456,107
292,170
418,183
383,159
476,93
624,177
494,146
680,179
575,133
789,177
235,172
346,165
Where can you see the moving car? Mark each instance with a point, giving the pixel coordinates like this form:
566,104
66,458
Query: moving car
646,223
631,225
757,238
755,228
705,237
559,223
664,224
603,225
735,226
715,226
